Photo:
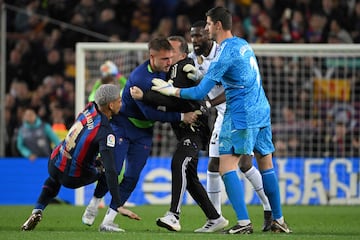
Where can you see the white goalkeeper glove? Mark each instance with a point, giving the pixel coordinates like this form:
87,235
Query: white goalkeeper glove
163,87
192,72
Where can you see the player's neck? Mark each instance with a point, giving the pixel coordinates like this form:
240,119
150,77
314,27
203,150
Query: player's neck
106,112
223,35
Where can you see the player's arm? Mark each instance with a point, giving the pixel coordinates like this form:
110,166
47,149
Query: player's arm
156,99
198,92
219,99
107,155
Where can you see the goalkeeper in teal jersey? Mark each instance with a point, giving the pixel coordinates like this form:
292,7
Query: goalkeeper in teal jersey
246,126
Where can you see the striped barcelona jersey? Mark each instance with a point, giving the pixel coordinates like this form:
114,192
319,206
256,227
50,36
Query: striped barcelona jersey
81,145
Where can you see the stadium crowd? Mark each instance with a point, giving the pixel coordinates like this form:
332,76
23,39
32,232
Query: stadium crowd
41,37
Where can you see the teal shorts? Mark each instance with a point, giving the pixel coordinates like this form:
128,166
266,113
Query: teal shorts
244,141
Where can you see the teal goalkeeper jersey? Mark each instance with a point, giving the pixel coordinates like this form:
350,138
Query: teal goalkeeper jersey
236,67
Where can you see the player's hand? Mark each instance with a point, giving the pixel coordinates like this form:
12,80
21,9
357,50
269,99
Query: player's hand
194,124
163,87
127,213
192,72
136,93
190,117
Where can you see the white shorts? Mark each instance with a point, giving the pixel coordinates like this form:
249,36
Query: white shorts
214,140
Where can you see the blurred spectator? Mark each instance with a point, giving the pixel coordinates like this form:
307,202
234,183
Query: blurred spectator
292,26
338,33
140,20
109,74
355,22
25,22
338,143
165,28
58,123
88,10
314,33
35,137
251,22
106,24
182,27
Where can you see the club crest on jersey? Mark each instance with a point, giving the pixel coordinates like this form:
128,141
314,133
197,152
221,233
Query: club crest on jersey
110,140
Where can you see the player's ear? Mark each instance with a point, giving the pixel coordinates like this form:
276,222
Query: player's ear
111,106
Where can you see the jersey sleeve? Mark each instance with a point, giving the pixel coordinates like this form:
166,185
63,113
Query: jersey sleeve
107,154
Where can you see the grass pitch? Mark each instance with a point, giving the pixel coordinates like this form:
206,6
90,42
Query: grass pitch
63,222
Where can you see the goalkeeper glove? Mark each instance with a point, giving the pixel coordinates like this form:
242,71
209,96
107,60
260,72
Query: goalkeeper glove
163,87
192,72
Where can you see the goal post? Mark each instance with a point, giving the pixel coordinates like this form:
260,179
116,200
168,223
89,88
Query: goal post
310,87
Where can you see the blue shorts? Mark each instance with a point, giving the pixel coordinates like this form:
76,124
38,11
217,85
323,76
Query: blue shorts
244,141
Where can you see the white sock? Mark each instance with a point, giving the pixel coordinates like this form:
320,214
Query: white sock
95,202
280,220
109,216
36,210
254,176
244,222
213,188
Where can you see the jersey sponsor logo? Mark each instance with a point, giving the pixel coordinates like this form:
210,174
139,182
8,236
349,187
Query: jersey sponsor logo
110,140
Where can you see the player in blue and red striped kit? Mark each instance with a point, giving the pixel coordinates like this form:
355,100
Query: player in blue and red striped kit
73,163
134,128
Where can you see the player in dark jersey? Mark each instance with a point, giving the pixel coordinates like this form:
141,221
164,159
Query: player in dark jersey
192,138
73,163
134,127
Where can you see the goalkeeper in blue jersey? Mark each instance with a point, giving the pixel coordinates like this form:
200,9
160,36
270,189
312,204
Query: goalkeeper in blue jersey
246,126
73,163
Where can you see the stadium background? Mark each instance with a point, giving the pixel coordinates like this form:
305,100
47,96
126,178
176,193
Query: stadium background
314,97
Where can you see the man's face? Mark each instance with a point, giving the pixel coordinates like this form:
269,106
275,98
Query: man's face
161,61
199,39
177,54
211,28
115,106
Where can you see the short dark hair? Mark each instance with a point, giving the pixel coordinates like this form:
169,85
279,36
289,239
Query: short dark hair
200,23
183,44
159,43
221,14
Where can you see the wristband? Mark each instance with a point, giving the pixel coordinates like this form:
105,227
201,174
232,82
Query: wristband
208,104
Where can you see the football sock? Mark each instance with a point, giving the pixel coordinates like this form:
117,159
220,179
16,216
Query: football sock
95,202
213,188
271,188
254,177
109,216
235,192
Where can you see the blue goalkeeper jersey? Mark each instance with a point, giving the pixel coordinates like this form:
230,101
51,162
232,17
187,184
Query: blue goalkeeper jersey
140,114
236,67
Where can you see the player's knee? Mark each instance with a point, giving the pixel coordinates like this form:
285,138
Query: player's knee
213,165
245,163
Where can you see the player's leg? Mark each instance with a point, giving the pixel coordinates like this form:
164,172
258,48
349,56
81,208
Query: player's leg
215,221
228,168
179,163
263,151
49,191
254,177
213,178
